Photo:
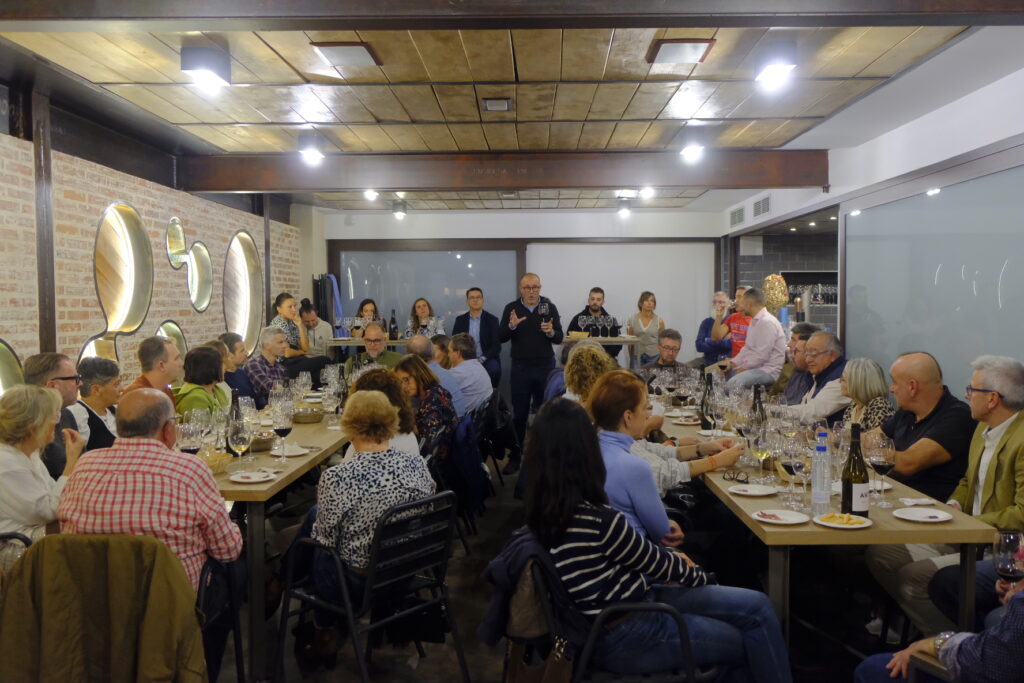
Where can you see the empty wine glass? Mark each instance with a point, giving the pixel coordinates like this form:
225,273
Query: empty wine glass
330,404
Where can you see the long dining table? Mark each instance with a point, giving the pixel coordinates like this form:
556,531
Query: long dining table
962,530
322,442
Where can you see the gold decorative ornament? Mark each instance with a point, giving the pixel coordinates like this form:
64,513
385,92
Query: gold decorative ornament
776,293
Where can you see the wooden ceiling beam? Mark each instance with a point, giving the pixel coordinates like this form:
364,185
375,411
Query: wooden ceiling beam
246,15
720,168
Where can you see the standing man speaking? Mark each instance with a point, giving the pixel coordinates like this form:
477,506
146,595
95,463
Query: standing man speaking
533,325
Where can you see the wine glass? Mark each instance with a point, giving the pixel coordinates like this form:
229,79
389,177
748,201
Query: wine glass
794,466
330,404
761,451
717,415
1008,555
581,320
240,439
882,458
187,434
282,416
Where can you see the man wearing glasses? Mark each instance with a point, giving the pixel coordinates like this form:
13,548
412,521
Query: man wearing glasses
376,352
56,371
669,343
824,399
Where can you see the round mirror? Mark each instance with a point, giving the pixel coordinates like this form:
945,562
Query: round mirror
176,252
171,330
200,276
243,289
123,262
10,367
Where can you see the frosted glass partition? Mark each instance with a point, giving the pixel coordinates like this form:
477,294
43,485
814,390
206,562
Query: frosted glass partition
940,273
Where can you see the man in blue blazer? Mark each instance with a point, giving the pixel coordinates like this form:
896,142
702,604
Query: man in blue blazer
483,328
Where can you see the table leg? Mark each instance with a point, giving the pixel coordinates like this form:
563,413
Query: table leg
968,565
256,554
778,584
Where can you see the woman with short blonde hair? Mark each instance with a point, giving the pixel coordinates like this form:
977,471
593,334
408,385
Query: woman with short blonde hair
28,494
587,362
864,381
369,414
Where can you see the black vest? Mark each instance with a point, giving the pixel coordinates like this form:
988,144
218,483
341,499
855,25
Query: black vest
99,435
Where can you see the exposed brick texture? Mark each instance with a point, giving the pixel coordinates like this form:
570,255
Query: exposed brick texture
19,321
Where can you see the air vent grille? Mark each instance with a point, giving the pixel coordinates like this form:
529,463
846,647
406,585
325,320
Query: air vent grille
762,206
736,216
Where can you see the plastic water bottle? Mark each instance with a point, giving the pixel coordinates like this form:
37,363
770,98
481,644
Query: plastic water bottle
821,479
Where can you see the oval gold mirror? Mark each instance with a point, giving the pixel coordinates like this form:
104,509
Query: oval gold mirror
200,276
171,330
243,289
123,263
176,252
10,367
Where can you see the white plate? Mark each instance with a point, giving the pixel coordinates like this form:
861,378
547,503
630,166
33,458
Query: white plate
291,450
927,515
837,487
833,525
752,490
781,517
715,433
674,413
251,477
687,422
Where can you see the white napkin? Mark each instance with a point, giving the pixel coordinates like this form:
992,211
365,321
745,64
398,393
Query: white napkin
911,502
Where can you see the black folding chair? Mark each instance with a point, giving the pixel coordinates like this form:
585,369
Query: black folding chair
409,555
211,568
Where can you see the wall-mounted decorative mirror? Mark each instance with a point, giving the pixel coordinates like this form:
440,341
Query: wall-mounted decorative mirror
200,276
176,252
123,262
10,367
172,330
243,289
104,346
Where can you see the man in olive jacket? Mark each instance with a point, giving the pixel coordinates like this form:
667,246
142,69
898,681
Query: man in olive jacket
992,490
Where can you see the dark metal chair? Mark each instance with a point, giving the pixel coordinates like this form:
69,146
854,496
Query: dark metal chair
211,568
409,555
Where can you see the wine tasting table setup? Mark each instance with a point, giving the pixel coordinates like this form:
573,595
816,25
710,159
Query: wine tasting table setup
322,443
961,529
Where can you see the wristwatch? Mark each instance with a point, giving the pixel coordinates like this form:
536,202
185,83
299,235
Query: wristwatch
941,640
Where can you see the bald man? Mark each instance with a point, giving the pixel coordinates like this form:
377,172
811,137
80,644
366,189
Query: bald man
931,429
422,346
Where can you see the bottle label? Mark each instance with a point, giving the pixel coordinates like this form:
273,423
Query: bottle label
860,498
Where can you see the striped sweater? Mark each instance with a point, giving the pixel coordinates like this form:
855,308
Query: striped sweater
602,561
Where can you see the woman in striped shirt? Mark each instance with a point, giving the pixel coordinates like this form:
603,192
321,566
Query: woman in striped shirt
602,560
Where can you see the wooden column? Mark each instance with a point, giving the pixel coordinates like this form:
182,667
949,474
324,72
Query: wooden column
268,294
45,282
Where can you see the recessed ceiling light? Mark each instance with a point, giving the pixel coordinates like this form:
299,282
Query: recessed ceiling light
792,229
776,64
932,192
469,265
458,256
855,212
508,194
346,54
812,224
832,218
679,50
624,208
311,147
692,153
626,194
370,195
646,192
398,209
209,67
497,103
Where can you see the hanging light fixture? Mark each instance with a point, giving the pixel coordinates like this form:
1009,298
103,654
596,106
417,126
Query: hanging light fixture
209,67
398,210
776,64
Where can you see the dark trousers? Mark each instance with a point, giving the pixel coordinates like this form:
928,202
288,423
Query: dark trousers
944,590
218,616
528,379
493,368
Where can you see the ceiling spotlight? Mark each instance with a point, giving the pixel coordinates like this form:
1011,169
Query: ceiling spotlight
469,265
831,218
812,224
311,147
370,195
855,212
497,103
793,229
692,153
398,209
776,65
679,50
625,208
646,192
346,54
932,192
400,195
209,67
458,256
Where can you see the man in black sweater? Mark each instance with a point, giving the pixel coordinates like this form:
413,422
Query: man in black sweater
533,325
595,307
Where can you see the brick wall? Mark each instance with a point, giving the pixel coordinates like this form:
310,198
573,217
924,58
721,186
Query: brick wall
285,266
19,323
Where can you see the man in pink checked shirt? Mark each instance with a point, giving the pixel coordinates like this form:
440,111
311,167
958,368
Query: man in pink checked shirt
762,356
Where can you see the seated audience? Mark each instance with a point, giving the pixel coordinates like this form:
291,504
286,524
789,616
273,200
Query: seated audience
763,351
930,429
318,332
297,355
376,352
482,326
204,370
645,326
554,385
422,347
221,348
595,306
234,372
825,399
735,325
140,486
353,496
264,369
161,364
799,379
469,372
440,343
602,561
669,343
436,419
28,494
55,371
619,406
993,655
992,490
864,382
366,313
100,389
422,320
587,362
714,350
387,383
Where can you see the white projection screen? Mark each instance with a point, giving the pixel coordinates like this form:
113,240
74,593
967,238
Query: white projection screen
681,275
941,273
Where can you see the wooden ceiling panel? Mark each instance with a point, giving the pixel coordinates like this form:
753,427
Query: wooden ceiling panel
438,137
46,45
275,103
585,53
590,194
455,205
343,138
688,99
469,137
838,95
151,51
380,101
564,135
787,131
490,55
535,101
586,203
529,203
627,56
458,102
250,50
511,204
153,103
375,138
406,138
538,54
911,49
343,103
474,204
351,74
294,47
493,204
650,99
611,100
800,95
860,53
443,55
214,136
501,136
726,98
260,138
113,55
573,100
497,91
627,134
569,194
659,134
532,135
240,73
596,135
731,49
665,71
401,60
419,102
187,97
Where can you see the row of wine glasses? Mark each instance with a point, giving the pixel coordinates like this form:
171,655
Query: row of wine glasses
605,324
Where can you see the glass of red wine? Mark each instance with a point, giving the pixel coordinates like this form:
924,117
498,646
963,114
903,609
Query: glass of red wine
1008,555
882,458
282,417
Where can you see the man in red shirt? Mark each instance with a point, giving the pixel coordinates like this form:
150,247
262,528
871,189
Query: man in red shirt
161,364
734,326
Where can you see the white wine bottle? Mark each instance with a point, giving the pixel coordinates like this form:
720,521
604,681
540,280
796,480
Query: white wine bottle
856,487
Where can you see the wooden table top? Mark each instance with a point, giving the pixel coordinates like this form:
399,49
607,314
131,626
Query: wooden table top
316,434
885,528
